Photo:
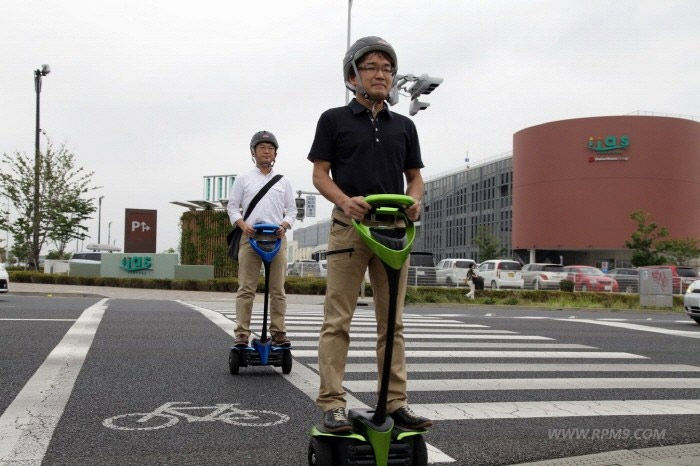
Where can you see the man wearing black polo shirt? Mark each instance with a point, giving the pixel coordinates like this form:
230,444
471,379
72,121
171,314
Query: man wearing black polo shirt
358,150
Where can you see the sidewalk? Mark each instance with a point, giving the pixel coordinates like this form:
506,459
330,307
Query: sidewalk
678,455
41,289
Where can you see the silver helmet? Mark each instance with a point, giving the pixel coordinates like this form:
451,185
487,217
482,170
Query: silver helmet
263,136
361,48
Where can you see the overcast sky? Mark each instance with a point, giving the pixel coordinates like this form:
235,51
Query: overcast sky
154,95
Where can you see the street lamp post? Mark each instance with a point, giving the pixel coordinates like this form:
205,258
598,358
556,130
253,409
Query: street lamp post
347,91
99,218
109,233
38,74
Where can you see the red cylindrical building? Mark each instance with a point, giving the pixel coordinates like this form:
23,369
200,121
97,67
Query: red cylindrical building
576,182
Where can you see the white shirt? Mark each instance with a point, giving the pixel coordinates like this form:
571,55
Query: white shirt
275,207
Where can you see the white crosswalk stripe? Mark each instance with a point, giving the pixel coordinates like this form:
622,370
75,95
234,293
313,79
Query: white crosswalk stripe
451,345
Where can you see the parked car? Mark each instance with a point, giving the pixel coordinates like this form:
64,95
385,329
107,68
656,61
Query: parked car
305,269
501,274
627,279
682,276
691,301
86,258
543,276
587,278
421,269
323,264
4,279
452,272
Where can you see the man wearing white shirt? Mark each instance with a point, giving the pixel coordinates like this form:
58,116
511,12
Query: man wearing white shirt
276,207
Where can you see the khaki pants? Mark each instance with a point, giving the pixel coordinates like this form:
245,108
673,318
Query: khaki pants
249,266
348,259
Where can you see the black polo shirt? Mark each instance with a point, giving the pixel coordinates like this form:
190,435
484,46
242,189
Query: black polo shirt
367,156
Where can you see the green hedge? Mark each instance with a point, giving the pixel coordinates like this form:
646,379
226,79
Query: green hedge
317,286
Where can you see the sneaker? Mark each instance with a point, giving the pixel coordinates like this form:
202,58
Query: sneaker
241,339
335,420
280,339
404,417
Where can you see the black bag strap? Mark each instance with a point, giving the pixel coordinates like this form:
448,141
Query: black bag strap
260,194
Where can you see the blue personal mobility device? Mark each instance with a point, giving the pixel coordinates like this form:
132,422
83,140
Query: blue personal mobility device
261,352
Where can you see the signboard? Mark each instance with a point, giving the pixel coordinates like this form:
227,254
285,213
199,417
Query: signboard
140,230
310,205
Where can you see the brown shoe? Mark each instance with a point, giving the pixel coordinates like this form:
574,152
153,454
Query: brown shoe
405,417
280,339
241,339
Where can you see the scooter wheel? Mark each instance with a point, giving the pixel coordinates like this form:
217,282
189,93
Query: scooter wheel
420,451
286,362
234,361
320,453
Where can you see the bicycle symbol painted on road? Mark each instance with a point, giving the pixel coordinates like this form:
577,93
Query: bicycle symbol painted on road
169,414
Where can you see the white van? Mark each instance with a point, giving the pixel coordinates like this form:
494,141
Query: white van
452,272
501,274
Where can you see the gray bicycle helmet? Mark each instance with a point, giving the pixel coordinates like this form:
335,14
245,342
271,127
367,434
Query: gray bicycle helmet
263,136
361,48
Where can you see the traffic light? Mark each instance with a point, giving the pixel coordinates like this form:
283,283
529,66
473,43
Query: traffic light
301,204
424,85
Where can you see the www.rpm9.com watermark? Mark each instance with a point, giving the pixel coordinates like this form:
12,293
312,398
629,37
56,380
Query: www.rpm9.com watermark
606,434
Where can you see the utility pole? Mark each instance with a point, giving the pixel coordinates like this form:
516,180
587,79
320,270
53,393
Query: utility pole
38,74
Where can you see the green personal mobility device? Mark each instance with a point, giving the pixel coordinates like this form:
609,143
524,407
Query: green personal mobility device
374,439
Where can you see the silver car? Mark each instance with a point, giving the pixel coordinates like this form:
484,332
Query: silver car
543,276
691,301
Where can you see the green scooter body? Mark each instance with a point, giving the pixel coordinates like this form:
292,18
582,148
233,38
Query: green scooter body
393,246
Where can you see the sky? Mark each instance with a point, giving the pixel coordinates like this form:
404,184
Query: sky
154,95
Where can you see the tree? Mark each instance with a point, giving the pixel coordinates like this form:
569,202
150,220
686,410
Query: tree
488,244
643,241
678,251
62,207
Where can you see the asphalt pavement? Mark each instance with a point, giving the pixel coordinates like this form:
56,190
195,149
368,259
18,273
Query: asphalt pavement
687,455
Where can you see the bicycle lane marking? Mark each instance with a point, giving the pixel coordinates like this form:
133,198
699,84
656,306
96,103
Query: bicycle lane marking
306,380
27,425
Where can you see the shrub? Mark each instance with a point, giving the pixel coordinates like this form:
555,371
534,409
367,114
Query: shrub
566,285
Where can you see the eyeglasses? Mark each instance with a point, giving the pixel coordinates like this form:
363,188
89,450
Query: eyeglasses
265,147
372,69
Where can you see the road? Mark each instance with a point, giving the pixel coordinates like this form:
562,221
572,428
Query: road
504,386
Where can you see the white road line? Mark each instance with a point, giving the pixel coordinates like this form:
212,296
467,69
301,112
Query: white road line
542,409
429,344
407,331
489,354
431,336
28,423
43,320
520,367
364,320
307,381
439,385
643,328
292,322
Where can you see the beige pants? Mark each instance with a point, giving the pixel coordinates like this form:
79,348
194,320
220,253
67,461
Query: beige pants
249,266
348,259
